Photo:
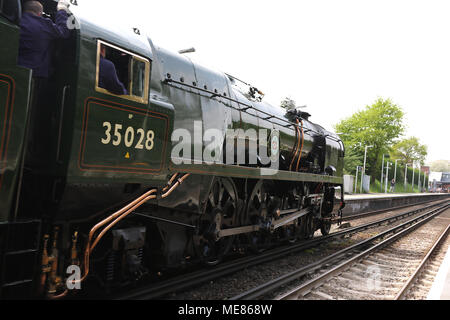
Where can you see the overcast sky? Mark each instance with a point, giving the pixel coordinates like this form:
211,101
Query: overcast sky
336,57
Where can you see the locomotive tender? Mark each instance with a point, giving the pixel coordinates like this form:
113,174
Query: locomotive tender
121,188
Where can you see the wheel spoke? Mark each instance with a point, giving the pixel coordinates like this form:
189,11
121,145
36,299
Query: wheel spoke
220,196
222,200
211,200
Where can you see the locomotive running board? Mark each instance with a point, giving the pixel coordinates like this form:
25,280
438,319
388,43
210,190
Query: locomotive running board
275,225
236,171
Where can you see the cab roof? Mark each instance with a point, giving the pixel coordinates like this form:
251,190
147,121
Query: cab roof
123,33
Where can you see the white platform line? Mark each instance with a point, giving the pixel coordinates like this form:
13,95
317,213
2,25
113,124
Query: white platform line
442,281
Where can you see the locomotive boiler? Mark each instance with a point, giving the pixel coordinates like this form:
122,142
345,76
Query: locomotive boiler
189,165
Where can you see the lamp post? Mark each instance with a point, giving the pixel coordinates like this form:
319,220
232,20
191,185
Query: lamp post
412,183
406,175
424,180
418,182
387,174
364,167
381,180
395,174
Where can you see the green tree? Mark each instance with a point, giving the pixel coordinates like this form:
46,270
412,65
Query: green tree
378,125
409,150
352,159
440,166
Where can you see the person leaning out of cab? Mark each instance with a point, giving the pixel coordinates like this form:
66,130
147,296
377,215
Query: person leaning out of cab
37,36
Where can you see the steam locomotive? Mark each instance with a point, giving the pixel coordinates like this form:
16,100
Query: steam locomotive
190,165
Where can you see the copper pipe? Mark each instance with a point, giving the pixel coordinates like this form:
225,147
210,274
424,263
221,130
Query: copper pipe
165,195
74,253
53,278
170,182
45,265
62,295
102,233
117,214
180,181
42,283
297,146
111,217
295,149
301,148
122,213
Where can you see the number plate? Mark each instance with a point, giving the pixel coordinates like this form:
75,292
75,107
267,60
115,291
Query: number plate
119,138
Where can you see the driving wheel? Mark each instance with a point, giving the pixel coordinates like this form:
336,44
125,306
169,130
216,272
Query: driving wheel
219,213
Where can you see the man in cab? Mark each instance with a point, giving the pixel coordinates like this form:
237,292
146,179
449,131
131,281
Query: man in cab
37,35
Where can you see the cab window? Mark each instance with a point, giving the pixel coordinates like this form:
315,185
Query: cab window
122,73
138,83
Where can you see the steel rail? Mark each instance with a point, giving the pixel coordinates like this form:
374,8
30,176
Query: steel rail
379,222
437,244
376,212
399,231
188,280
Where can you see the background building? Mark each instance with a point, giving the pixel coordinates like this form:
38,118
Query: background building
439,182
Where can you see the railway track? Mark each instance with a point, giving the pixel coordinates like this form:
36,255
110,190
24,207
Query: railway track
196,278
429,266
377,212
381,267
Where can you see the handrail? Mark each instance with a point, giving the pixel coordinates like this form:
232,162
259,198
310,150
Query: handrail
247,106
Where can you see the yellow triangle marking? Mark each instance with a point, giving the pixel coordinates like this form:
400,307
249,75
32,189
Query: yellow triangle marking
127,156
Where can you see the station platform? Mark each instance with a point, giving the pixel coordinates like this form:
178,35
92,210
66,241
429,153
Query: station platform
441,285
390,195
362,203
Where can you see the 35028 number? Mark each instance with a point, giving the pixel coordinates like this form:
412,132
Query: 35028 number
144,139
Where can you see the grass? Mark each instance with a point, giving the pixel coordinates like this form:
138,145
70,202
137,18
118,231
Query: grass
375,187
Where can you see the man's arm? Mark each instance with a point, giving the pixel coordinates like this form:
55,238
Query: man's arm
59,29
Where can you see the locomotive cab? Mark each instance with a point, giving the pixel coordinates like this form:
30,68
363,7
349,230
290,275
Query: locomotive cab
42,168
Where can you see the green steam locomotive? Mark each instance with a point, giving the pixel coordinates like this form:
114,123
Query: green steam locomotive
187,166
